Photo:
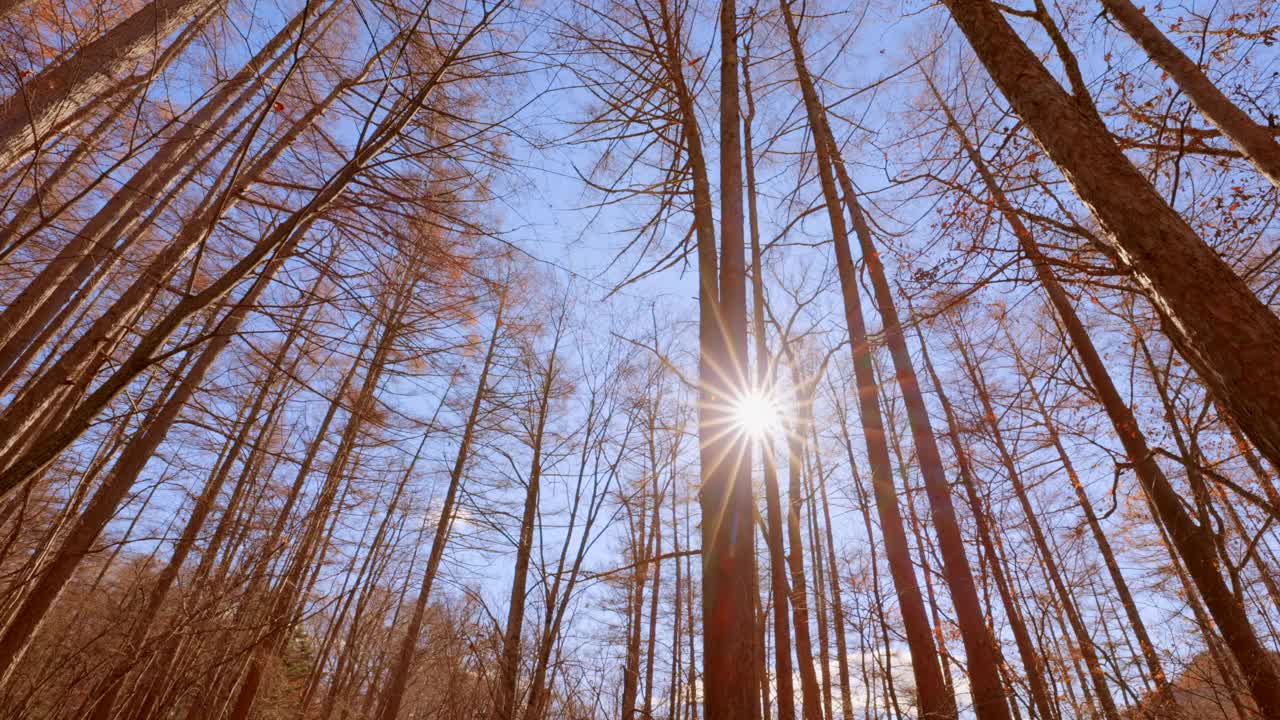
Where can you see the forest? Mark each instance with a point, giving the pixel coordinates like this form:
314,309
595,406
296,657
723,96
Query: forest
639,360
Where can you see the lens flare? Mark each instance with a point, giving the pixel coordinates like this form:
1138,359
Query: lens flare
757,414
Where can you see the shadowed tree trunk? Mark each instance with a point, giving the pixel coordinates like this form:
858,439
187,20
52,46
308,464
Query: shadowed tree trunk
935,702
980,650
731,688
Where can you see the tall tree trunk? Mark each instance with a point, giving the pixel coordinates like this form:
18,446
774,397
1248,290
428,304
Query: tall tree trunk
810,692
506,699
1085,643
1188,537
816,551
1032,663
837,599
291,592
143,624
641,541
731,689
655,524
398,681
107,499
922,543
49,102
782,674
1256,142
130,90
676,685
864,506
1232,342
935,702
159,674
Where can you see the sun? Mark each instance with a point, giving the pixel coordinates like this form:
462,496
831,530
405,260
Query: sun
757,414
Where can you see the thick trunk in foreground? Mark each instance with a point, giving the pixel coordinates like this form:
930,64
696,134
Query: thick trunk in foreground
1187,537
1232,342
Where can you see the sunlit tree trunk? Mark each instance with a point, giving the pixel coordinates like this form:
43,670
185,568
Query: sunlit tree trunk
55,98
1187,537
1255,141
1232,341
